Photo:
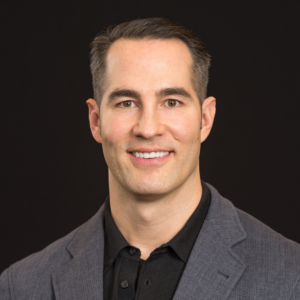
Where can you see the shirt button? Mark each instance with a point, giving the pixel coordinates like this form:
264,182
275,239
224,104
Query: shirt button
132,251
124,284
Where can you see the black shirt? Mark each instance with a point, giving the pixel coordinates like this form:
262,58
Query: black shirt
128,277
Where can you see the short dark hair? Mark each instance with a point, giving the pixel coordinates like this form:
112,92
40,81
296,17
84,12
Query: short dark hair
151,28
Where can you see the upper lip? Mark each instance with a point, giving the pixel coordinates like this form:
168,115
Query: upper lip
150,150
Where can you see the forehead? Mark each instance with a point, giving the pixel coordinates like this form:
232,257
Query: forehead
151,62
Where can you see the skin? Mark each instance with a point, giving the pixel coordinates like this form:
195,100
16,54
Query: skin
150,203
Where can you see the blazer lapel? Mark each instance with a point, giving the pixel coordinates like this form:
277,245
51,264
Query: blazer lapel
213,268
82,277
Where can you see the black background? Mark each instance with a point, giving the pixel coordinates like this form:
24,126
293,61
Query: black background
53,174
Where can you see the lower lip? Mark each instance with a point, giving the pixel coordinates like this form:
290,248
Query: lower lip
149,161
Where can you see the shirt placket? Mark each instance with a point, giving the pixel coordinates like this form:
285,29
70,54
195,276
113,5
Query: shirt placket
128,269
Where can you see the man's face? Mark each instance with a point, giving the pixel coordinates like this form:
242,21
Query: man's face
149,105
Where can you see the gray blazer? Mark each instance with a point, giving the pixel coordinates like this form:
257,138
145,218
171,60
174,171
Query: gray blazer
234,257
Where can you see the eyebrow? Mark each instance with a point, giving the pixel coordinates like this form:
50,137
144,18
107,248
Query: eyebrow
173,91
123,93
134,94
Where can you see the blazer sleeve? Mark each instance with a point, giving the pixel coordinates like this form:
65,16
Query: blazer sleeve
4,286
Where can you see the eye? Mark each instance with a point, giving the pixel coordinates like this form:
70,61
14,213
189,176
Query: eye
127,103
172,103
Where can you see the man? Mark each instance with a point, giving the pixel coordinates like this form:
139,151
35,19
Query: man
162,232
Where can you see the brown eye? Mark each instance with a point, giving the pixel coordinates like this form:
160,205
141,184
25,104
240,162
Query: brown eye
127,103
172,103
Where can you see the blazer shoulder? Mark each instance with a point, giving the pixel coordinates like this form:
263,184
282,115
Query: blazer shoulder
32,275
248,231
260,233
30,278
268,253
273,261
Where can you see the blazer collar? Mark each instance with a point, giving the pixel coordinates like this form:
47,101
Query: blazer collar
82,277
213,268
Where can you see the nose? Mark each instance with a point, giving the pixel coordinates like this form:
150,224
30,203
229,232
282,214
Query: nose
149,123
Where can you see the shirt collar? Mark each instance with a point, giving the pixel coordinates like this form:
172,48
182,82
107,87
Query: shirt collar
182,243
184,240
114,240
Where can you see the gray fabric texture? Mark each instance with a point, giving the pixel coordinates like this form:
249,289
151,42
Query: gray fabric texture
234,257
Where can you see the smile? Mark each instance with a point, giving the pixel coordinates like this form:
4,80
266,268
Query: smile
149,155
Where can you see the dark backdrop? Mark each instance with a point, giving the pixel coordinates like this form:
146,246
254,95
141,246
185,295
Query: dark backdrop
53,175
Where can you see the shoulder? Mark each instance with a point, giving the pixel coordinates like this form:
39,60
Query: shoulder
33,272
249,230
273,261
46,260
265,242
30,278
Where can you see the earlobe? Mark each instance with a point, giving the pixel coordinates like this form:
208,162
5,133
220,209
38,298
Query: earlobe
208,116
94,119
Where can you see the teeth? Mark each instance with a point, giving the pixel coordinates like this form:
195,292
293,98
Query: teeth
150,154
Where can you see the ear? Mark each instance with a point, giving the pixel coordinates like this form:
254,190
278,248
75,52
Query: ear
94,119
208,116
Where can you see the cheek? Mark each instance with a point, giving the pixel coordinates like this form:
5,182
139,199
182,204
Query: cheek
186,129
114,129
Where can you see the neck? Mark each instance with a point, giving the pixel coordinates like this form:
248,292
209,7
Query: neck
149,223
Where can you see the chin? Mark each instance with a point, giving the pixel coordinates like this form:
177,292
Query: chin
150,190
